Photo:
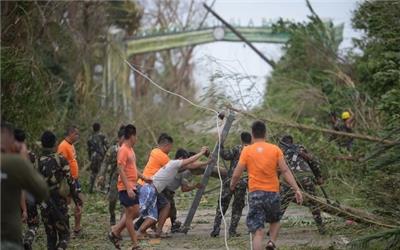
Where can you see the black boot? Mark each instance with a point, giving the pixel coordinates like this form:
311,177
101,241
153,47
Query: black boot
215,232
91,184
175,228
112,219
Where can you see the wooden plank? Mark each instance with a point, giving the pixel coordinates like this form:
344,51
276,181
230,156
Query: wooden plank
207,173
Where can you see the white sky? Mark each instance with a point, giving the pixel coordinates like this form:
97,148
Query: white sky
237,57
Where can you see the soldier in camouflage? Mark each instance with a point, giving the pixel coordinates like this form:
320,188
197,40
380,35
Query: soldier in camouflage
97,147
54,211
110,168
307,173
239,194
33,219
29,206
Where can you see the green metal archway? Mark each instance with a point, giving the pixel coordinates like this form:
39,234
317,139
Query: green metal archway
119,47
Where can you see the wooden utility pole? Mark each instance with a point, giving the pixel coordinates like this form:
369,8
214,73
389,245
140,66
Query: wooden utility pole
241,37
207,173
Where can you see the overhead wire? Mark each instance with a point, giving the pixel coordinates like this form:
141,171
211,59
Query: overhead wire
218,131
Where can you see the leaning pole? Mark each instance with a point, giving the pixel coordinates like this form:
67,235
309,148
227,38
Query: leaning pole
207,173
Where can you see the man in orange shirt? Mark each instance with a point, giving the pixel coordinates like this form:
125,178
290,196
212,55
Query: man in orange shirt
157,159
126,185
66,148
263,161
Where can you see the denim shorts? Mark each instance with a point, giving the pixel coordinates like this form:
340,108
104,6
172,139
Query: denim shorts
263,207
127,201
148,201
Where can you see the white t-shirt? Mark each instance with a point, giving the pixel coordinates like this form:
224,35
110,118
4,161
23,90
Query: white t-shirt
166,174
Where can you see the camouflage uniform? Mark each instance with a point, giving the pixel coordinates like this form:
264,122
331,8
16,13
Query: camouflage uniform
97,146
110,168
344,141
239,193
55,170
33,215
305,173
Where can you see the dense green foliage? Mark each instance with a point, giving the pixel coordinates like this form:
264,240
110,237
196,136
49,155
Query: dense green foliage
313,78
50,50
378,67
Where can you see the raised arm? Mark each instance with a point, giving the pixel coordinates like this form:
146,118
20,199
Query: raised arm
187,163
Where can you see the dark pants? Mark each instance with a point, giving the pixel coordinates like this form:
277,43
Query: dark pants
170,197
56,223
237,206
33,224
113,196
95,165
287,196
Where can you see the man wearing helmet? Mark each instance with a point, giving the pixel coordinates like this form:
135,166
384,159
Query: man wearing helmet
345,124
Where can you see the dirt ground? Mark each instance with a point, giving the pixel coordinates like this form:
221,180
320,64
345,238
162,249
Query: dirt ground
298,231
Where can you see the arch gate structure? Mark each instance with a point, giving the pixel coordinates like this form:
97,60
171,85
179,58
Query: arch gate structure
119,47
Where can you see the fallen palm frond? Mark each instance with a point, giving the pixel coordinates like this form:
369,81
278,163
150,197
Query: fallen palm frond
389,238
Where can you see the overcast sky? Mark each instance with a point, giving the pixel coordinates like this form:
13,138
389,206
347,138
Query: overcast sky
230,57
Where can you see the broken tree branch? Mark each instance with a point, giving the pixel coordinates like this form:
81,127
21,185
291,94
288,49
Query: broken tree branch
322,130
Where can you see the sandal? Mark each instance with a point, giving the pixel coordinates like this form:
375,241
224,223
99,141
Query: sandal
114,239
137,248
270,246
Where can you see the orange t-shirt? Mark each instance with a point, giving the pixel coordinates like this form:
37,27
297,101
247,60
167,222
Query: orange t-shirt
157,160
261,160
67,150
127,159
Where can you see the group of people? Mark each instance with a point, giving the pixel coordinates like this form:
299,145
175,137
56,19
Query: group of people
48,181
148,196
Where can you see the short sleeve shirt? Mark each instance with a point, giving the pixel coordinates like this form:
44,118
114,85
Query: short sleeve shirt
127,159
67,150
157,160
261,160
166,175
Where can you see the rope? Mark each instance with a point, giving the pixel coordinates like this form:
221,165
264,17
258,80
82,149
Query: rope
218,131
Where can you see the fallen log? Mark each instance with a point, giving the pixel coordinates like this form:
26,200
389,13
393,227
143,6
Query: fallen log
350,213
